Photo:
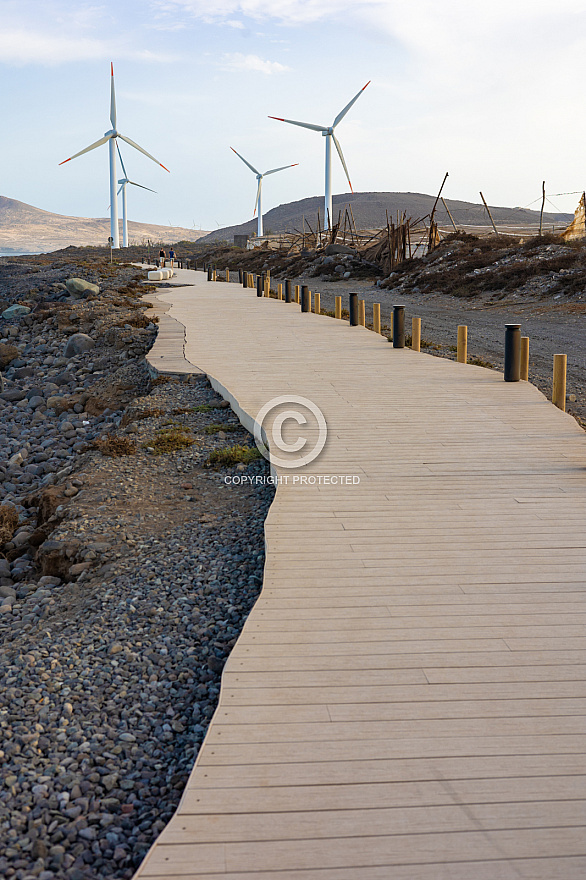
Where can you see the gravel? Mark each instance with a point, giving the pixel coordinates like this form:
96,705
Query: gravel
124,585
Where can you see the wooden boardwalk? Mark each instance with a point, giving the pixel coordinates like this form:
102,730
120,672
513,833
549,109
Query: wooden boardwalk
406,700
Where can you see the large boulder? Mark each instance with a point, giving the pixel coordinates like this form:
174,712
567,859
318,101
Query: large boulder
8,353
332,249
78,344
15,311
81,287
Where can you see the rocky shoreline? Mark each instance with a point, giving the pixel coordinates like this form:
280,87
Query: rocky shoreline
127,569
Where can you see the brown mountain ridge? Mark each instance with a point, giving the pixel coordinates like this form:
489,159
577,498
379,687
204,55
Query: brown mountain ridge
25,229
370,212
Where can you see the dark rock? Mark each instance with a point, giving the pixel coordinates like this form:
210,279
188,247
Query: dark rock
332,249
78,344
8,353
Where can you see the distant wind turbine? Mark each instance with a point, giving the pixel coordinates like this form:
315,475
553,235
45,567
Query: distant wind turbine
125,181
328,133
111,137
259,177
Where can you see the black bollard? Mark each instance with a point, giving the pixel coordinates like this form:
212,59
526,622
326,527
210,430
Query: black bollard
305,298
354,310
210,272
288,294
398,326
512,352
240,276
259,285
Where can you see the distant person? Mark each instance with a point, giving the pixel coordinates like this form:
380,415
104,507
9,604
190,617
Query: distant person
162,258
172,256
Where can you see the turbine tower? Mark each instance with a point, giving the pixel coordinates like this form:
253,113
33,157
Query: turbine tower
125,181
111,136
328,133
259,177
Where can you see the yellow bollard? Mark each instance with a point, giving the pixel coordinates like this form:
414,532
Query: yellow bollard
416,334
317,303
296,293
560,362
250,279
462,355
361,313
279,291
338,307
267,287
376,317
268,274
214,275
525,358
227,274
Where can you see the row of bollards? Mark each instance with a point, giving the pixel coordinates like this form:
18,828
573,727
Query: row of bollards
516,366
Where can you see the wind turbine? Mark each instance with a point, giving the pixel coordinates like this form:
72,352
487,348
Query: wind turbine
125,181
111,136
328,133
259,177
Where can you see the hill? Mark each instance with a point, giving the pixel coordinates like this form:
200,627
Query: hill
25,230
369,210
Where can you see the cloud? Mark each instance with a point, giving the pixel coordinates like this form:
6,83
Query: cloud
20,46
286,12
239,61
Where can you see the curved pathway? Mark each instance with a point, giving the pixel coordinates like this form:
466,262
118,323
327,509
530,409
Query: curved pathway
406,700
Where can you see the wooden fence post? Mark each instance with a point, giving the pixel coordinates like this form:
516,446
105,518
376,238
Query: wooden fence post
462,355
416,334
376,317
560,362
525,358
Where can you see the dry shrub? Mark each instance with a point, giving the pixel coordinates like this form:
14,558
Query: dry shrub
8,523
233,455
114,446
171,439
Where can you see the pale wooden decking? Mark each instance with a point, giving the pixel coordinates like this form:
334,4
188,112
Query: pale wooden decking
406,701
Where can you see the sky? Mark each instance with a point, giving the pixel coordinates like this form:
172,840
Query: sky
490,92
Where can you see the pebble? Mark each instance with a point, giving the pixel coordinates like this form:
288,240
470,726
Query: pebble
109,684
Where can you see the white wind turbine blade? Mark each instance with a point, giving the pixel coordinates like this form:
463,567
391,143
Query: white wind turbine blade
119,191
257,195
341,155
87,149
132,183
343,112
140,150
282,168
302,124
122,163
252,168
112,98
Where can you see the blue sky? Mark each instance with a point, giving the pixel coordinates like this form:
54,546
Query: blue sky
491,92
